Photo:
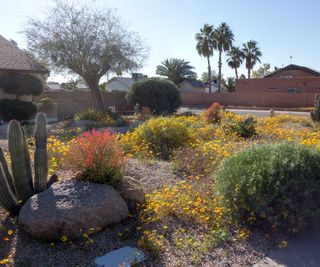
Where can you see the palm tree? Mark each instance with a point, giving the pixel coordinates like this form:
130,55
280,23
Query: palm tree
176,69
251,53
205,46
223,37
235,59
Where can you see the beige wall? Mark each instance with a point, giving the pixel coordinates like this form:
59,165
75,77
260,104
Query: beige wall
70,103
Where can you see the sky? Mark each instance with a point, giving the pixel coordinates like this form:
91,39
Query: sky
282,28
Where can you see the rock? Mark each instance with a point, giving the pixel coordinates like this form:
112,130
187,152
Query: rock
70,209
126,256
131,189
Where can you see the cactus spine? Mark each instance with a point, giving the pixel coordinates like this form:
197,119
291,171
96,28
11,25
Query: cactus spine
40,155
15,189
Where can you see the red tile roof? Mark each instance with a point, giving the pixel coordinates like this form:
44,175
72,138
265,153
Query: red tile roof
13,58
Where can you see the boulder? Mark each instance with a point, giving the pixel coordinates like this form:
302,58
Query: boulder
70,209
131,189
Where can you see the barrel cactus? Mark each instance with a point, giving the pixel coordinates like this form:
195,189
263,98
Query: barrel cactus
18,186
315,114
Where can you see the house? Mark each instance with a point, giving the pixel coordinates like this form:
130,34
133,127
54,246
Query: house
292,79
188,85
123,83
52,86
14,59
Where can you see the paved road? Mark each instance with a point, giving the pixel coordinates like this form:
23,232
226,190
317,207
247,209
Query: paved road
303,250
258,113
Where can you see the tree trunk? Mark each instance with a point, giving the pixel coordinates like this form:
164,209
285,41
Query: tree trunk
249,73
236,70
96,94
219,66
209,74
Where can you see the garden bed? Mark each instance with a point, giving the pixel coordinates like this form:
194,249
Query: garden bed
22,250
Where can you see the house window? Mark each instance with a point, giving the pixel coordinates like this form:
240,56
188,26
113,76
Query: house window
317,89
273,89
295,90
286,77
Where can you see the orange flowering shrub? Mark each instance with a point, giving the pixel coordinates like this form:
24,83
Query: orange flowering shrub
213,113
98,156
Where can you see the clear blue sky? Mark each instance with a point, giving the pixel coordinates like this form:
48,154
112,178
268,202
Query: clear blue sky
282,28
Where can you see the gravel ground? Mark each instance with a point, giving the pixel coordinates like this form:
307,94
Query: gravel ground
24,251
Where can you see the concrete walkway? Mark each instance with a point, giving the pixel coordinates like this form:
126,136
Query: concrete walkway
303,250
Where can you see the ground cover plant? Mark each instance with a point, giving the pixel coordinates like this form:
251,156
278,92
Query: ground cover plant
189,215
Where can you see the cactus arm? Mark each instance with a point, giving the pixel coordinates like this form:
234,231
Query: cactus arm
5,168
40,155
7,200
21,167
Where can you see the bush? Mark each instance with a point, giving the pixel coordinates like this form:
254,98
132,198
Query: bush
16,109
160,96
98,116
98,156
157,137
275,183
21,84
244,128
213,113
47,104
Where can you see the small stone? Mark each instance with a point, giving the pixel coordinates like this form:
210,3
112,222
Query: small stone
131,189
69,209
125,257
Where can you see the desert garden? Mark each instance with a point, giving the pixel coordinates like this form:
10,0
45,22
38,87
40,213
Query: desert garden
214,189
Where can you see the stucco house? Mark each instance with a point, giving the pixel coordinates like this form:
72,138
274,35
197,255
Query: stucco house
123,83
14,59
188,85
292,79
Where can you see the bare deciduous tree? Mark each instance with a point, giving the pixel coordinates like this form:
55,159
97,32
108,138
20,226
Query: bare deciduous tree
86,41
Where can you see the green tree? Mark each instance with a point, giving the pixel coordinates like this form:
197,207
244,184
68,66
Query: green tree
262,71
205,76
175,70
235,59
20,84
85,41
251,54
205,46
224,38
229,84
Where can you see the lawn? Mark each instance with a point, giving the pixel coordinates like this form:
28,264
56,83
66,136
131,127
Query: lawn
184,220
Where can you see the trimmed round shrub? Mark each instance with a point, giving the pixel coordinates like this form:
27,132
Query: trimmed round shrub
16,109
160,96
275,183
161,135
21,84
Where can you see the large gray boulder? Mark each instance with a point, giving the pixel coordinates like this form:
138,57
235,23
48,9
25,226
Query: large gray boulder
70,209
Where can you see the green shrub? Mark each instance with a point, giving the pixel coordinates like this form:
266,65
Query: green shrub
47,104
16,109
97,116
21,84
275,183
162,135
160,96
245,128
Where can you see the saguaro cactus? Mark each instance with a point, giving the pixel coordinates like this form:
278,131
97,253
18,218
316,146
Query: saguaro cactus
315,114
40,155
15,189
